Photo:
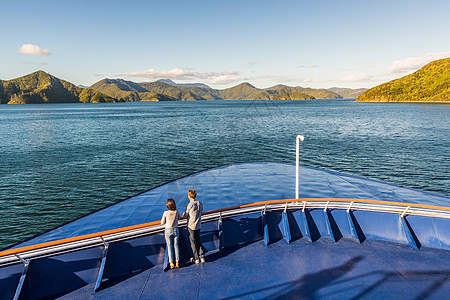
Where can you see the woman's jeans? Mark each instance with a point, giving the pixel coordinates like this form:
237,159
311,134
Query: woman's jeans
172,235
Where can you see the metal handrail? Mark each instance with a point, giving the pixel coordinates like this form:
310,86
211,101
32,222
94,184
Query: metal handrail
96,239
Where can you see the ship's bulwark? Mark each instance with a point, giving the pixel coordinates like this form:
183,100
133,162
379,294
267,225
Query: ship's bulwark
312,265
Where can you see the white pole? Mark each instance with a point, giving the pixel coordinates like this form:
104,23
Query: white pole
297,163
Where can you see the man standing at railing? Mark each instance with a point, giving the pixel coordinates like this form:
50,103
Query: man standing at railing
193,213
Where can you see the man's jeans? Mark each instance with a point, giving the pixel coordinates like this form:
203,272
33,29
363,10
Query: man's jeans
172,234
196,245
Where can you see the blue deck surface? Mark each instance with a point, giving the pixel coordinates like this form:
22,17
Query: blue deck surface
234,185
300,270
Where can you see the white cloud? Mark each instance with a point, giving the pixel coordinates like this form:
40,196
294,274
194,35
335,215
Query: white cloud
188,74
31,49
398,69
252,63
411,64
307,66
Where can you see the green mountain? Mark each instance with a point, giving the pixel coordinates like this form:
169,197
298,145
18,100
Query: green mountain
315,93
119,89
347,93
178,92
292,96
92,96
429,84
41,87
202,92
263,96
319,93
242,91
155,97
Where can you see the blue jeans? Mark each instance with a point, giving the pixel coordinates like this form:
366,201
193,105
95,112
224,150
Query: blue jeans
171,235
196,244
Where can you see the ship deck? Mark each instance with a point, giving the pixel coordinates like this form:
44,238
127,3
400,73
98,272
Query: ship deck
327,249
300,270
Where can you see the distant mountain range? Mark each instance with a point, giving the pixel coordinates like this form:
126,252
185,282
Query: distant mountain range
41,87
132,91
429,84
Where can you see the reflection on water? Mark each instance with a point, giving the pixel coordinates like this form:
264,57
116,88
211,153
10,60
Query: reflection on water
62,161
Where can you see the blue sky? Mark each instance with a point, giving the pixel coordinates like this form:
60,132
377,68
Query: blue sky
316,44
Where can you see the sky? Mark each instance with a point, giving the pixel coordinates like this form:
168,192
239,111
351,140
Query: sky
319,44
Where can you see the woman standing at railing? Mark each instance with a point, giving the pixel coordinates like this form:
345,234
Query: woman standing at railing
170,219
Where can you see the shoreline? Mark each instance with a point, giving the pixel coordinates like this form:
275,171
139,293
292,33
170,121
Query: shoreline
426,102
429,102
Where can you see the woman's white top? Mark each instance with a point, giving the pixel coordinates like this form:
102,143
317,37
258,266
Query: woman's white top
170,218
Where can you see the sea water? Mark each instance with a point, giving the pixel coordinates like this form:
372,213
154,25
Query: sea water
59,162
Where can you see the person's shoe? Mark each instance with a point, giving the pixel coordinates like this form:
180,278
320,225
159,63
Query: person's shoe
177,265
191,260
202,259
197,261
172,265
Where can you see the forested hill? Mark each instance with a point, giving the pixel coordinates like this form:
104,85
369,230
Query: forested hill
293,96
429,84
41,87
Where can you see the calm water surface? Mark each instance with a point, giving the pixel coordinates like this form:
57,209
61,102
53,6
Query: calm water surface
62,161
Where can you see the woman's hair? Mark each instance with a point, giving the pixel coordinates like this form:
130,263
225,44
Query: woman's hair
171,204
192,194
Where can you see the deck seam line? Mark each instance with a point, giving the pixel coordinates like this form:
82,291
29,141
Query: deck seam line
199,284
143,288
401,275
